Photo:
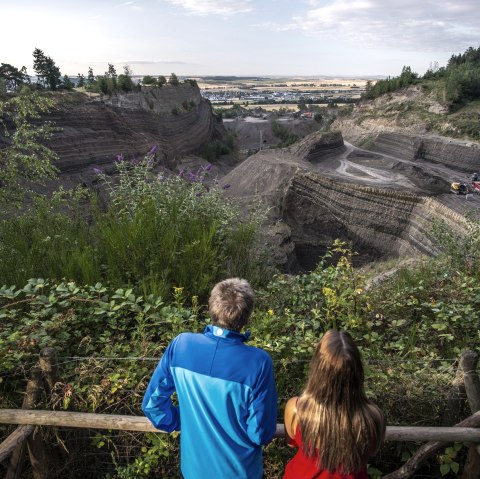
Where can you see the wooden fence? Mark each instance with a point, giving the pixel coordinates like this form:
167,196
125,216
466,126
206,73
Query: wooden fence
46,377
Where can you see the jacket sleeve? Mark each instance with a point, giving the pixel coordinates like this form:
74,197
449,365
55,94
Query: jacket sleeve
157,403
262,411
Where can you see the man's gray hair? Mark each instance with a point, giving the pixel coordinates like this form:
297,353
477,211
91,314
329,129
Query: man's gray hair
231,303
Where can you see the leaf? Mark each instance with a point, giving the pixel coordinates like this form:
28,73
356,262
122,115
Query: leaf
444,469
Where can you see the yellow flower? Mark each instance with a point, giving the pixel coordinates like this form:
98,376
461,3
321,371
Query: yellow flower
270,312
177,290
359,291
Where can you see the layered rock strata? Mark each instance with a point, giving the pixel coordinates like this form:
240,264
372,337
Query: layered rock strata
95,130
311,205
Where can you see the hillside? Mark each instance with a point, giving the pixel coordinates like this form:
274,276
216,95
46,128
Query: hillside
419,109
94,130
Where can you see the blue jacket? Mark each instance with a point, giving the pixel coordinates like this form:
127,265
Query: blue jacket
227,403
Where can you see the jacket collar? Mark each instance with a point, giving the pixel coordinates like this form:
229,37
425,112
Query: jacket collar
216,332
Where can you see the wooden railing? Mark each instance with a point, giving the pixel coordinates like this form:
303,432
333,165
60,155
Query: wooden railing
47,374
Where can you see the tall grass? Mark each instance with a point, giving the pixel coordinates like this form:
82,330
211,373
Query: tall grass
156,232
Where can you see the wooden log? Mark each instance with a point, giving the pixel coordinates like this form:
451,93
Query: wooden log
32,395
14,440
471,380
142,424
428,450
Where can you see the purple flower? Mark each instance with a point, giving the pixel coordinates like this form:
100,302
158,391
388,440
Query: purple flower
181,173
192,177
225,187
97,170
134,161
208,167
153,150
119,158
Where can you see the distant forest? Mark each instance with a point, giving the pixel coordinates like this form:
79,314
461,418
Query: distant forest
461,78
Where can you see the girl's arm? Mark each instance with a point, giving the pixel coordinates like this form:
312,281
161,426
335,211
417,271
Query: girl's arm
291,417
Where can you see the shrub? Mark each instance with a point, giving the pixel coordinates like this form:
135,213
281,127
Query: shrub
156,232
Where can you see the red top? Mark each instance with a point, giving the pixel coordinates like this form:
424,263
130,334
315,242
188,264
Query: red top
302,467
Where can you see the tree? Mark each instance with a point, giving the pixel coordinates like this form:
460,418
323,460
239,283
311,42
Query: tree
161,80
25,158
148,80
173,80
90,77
111,73
125,83
67,83
13,77
47,72
81,80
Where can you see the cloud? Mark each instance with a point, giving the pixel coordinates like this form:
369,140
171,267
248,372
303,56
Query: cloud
153,62
133,6
428,25
214,7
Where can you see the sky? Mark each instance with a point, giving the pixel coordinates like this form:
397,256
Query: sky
350,38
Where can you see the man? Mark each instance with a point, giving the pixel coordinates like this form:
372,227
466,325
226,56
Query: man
227,400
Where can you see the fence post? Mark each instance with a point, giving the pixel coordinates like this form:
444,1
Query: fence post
49,367
32,395
472,388
454,410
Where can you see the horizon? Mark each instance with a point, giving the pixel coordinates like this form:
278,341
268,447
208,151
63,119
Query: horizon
198,38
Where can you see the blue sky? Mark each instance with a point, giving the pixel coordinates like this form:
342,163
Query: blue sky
239,37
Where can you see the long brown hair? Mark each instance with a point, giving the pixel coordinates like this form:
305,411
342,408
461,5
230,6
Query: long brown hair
339,425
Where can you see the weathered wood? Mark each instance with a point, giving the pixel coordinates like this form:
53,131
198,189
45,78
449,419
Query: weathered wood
471,380
49,367
429,449
32,395
455,407
142,424
37,456
15,439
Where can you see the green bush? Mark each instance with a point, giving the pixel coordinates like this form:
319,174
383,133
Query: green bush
156,232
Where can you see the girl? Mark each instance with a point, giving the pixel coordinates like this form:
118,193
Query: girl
333,424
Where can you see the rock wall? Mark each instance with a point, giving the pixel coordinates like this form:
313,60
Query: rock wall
379,223
461,156
95,130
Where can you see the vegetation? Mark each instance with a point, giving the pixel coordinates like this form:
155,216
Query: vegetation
286,136
109,279
25,159
216,148
409,329
460,79
155,232
406,78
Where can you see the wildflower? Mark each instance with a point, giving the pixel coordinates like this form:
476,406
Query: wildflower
270,312
225,187
181,173
119,158
192,177
134,161
177,290
208,167
97,171
359,291
153,150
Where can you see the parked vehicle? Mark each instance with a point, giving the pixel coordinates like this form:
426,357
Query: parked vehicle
458,188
